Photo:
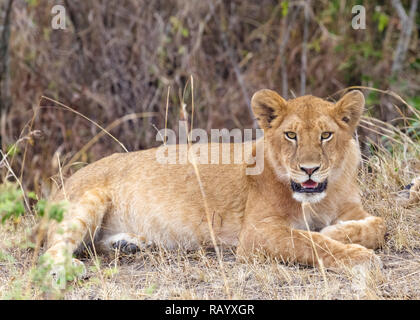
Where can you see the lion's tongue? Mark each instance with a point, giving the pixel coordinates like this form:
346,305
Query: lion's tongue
309,184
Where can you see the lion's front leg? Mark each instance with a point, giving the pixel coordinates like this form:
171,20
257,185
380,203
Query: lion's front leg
311,248
357,226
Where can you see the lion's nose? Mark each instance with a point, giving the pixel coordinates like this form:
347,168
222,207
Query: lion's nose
309,170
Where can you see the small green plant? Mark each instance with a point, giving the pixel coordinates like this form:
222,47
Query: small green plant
151,289
45,277
11,201
54,211
12,204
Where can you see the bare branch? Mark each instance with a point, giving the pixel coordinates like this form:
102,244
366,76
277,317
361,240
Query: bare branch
283,45
407,27
400,9
4,69
239,77
304,49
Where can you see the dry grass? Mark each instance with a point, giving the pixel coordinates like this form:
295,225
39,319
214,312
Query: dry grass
159,274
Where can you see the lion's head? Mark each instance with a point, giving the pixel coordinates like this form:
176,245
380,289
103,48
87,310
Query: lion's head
308,139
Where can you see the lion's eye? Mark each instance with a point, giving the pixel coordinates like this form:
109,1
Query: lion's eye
326,135
291,135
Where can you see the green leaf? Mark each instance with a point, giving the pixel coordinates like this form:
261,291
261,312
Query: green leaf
40,207
12,150
414,102
32,195
382,21
185,32
284,8
56,212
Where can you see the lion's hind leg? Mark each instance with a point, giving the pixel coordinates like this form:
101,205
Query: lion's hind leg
126,243
81,222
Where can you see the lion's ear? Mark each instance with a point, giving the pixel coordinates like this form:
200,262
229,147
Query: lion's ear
267,106
349,109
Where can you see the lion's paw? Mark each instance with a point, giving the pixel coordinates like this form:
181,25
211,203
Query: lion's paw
354,255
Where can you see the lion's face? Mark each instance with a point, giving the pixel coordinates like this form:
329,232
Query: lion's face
307,138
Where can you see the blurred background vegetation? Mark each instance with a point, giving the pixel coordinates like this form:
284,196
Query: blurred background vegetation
115,61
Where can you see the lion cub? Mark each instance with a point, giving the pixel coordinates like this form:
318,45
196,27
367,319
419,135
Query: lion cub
303,207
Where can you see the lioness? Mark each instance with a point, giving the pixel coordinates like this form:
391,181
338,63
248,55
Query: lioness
304,207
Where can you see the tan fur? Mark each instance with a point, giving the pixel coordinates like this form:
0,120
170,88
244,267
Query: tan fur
131,196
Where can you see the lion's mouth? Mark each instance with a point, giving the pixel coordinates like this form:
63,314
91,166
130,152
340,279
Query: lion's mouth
309,186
